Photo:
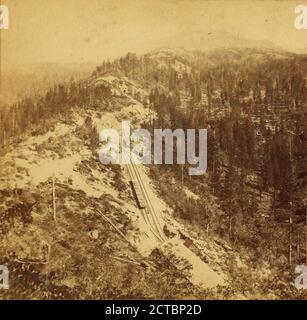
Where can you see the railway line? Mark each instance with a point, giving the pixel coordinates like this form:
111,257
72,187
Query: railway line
144,202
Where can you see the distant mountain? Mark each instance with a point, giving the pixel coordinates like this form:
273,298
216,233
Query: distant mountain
19,81
208,40
301,50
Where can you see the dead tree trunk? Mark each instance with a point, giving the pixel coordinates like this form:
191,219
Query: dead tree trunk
53,199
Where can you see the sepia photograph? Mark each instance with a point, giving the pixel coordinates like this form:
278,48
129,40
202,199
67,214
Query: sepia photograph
153,150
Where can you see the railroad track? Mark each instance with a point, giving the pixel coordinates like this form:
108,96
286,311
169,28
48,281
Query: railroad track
149,213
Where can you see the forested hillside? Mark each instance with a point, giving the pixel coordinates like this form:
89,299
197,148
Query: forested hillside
253,103
251,201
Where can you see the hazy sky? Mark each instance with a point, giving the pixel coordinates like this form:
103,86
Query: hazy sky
92,30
